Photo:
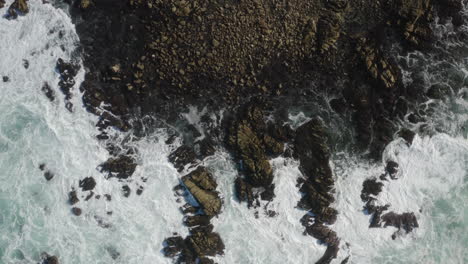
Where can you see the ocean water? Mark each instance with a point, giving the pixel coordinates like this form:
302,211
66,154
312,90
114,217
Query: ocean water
35,216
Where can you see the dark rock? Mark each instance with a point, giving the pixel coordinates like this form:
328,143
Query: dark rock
197,220
205,261
126,190
370,187
67,72
392,169
48,91
206,148
139,190
73,197
338,105
438,91
268,194
108,197
26,64
76,211
189,209
48,175
174,245
405,221
5,78
205,244
121,167
48,259
2,3
87,184
42,166
182,156
407,135
244,191
90,195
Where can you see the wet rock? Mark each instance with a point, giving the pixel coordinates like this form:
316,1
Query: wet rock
182,156
244,191
108,197
407,135
405,221
49,93
48,175
312,150
76,211
87,184
205,261
18,7
206,148
139,190
202,186
173,246
189,209
197,220
73,197
392,169
42,166
268,194
90,195
205,244
26,64
67,71
2,3
113,252
126,190
329,30
121,167
370,187
246,138
5,78
48,259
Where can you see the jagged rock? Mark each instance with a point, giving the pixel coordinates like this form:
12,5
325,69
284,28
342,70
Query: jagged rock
18,7
121,167
67,71
202,186
197,220
313,153
377,65
205,244
246,137
370,187
329,30
87,184
48,91
2,3
438,91
182,156
244,191
189,209
268,194
405,221
376,211
174,245
205,261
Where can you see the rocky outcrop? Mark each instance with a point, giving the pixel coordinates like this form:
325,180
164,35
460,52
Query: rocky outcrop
18,7
121,167
49,93
330,25
313,153
310,147
182,156
202,186
67,71
87,184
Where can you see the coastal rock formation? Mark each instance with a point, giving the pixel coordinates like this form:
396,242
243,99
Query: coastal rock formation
67,71
2,3
18,7
202,186
121,167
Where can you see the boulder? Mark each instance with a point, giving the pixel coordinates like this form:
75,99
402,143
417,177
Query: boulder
18,7
73,197
370,187
76,211
201,184
205,244
87,184
405,221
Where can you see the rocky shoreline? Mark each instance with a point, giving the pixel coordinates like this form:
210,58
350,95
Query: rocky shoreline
253,60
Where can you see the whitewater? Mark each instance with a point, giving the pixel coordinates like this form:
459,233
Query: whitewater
35,216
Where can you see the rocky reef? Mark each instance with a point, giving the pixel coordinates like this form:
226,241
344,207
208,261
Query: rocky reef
253,61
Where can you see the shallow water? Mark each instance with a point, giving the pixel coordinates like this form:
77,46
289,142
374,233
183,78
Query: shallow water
35,216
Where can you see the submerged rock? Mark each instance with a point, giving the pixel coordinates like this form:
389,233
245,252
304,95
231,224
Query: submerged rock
48,259
49,93
76,211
